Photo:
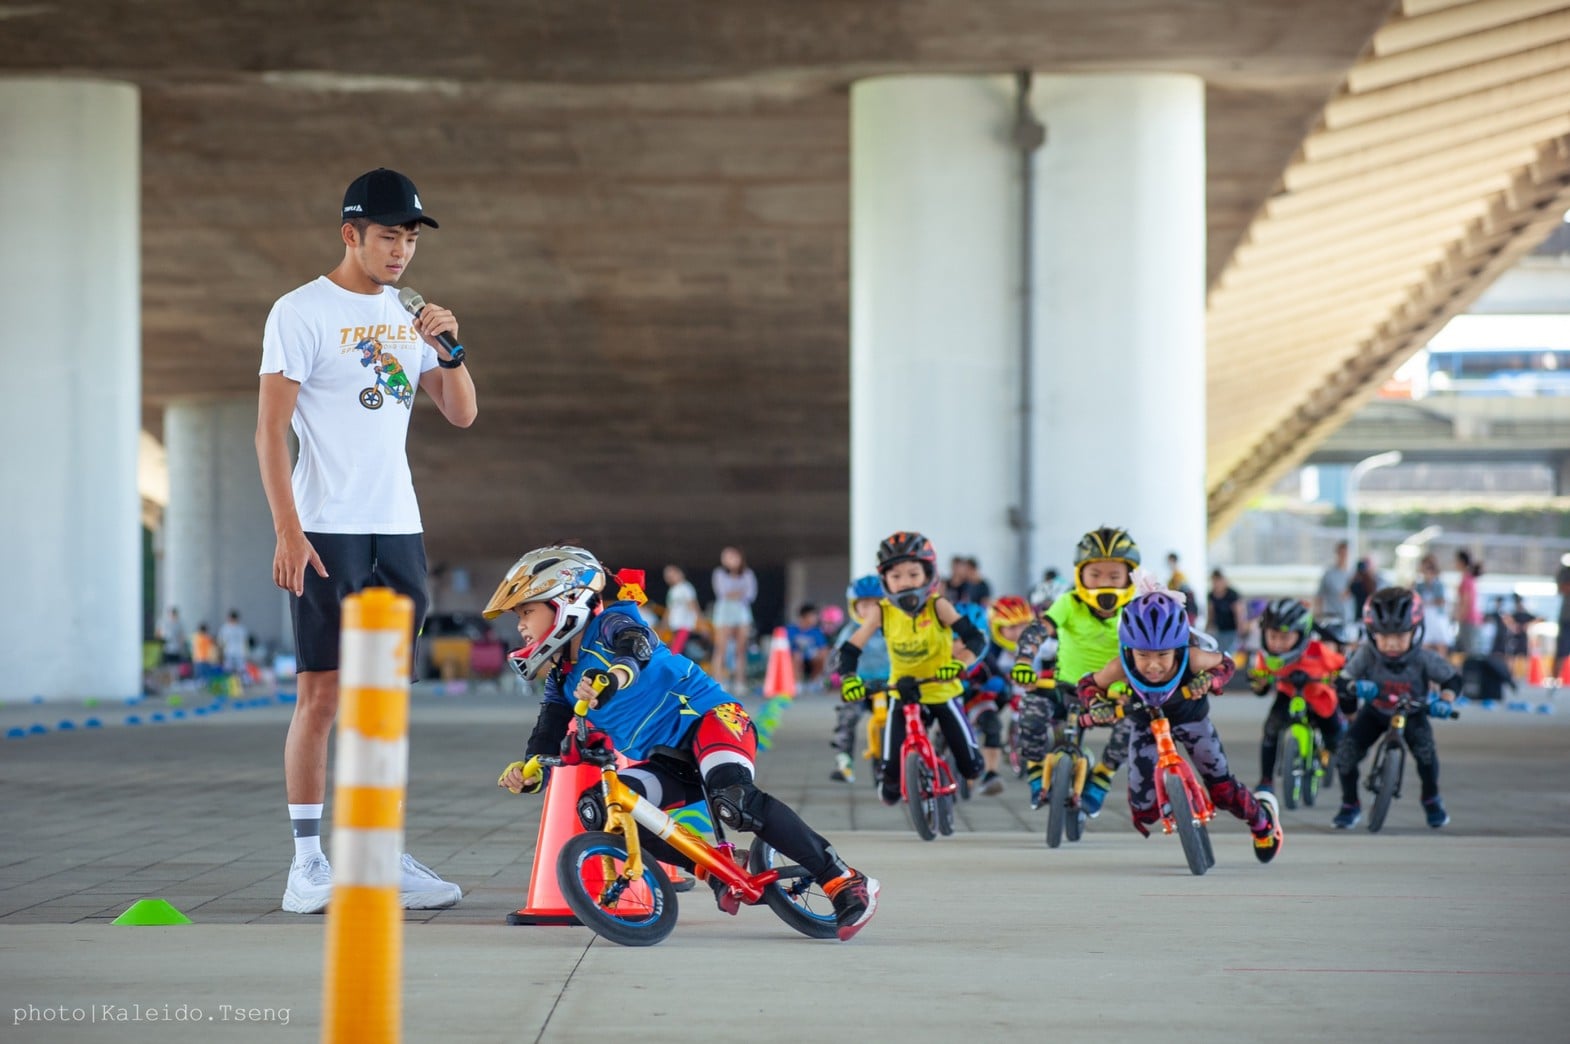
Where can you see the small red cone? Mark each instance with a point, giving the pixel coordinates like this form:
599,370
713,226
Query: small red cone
558,823
1534,670
779,680
1564,671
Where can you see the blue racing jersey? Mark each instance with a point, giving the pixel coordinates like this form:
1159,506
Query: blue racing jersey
667,695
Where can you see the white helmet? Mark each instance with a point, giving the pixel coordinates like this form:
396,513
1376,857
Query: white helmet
567,578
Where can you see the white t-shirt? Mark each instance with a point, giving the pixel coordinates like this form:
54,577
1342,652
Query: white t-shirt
681,607
358,362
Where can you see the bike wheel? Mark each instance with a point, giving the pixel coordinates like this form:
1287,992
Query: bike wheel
1204,838
919,799
1188,830
1312,775
1389,773
943,814
961,783
640,914
1059,786
1289,767
798,901
1074,826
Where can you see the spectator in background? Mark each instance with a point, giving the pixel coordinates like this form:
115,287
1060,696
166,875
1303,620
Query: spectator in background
980,590
233,640
1333,598
1363,584
1222,618
204,648
681,607
1469,610
1562,645
172,633
808,646
1518,621
1178,581
954,586
1436,608
735,589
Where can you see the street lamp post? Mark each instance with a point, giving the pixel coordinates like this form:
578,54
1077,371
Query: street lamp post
1361,468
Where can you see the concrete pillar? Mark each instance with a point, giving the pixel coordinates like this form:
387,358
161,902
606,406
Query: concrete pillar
218,538
1116,310
69,263
1120,316
935,324
1561,468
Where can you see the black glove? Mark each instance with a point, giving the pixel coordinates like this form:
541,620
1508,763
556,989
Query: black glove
609,681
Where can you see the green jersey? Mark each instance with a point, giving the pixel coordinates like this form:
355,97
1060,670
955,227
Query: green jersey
1086,642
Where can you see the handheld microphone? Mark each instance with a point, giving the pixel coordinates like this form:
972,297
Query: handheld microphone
414,304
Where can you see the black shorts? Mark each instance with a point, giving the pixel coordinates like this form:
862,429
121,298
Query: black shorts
353,563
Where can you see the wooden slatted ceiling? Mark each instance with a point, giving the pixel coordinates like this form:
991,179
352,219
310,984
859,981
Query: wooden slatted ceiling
1442,159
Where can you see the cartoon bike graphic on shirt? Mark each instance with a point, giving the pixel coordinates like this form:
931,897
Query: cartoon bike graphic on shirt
389,376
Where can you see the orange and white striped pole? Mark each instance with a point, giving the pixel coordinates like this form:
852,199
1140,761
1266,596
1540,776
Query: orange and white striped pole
363,972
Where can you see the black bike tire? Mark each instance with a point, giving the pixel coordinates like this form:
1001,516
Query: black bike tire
943,814
917,803
1187,828
1204,840
1288,767
587,907
1389,780
962,784
1311,775
813,926
1058,788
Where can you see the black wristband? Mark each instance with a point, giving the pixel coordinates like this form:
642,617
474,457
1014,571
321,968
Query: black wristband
450,364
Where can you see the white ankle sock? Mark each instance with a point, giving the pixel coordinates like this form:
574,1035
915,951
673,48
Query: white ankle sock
307,822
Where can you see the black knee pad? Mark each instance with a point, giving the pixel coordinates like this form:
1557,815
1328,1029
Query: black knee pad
738,803
591,808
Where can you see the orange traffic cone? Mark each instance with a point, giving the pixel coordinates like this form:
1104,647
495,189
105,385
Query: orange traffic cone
1564,671
1534,670
558,823
779,680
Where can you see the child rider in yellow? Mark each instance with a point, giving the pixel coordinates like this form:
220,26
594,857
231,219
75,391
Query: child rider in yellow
919,626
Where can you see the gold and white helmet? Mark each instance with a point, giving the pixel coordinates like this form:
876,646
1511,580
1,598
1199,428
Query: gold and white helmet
566,578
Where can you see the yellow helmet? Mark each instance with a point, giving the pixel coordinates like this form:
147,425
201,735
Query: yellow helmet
1107,544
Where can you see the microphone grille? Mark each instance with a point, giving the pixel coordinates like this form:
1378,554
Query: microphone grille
410,299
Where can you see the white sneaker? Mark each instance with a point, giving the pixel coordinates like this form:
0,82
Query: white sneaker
310,885
421,889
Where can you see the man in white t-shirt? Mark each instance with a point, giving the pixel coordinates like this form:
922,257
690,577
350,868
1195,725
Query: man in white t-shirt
341,363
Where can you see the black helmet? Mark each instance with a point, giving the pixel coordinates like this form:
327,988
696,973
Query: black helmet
908,546
1286,614
1395,610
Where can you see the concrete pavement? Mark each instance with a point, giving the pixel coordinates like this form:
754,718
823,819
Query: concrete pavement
1453,935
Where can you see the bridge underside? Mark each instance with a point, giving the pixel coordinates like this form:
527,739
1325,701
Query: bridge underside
646,218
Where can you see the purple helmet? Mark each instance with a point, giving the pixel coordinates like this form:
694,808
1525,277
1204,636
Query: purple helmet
1152,623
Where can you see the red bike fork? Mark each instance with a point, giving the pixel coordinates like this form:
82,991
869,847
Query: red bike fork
916,741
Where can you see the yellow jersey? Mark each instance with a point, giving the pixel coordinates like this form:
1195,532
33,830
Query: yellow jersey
918,646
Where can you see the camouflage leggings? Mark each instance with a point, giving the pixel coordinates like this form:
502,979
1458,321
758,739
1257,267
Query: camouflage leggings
843,739
1041,720
1204,748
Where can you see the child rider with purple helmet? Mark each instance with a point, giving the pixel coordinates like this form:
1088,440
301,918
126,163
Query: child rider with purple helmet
1161,660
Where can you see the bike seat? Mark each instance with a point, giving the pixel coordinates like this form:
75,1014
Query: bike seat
677,759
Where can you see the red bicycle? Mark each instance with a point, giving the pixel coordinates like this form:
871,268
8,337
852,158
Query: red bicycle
927,782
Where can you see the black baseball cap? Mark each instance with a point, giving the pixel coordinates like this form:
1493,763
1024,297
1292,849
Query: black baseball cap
385,197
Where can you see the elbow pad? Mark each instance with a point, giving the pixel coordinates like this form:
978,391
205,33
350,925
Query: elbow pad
968,633
849,659
634,643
